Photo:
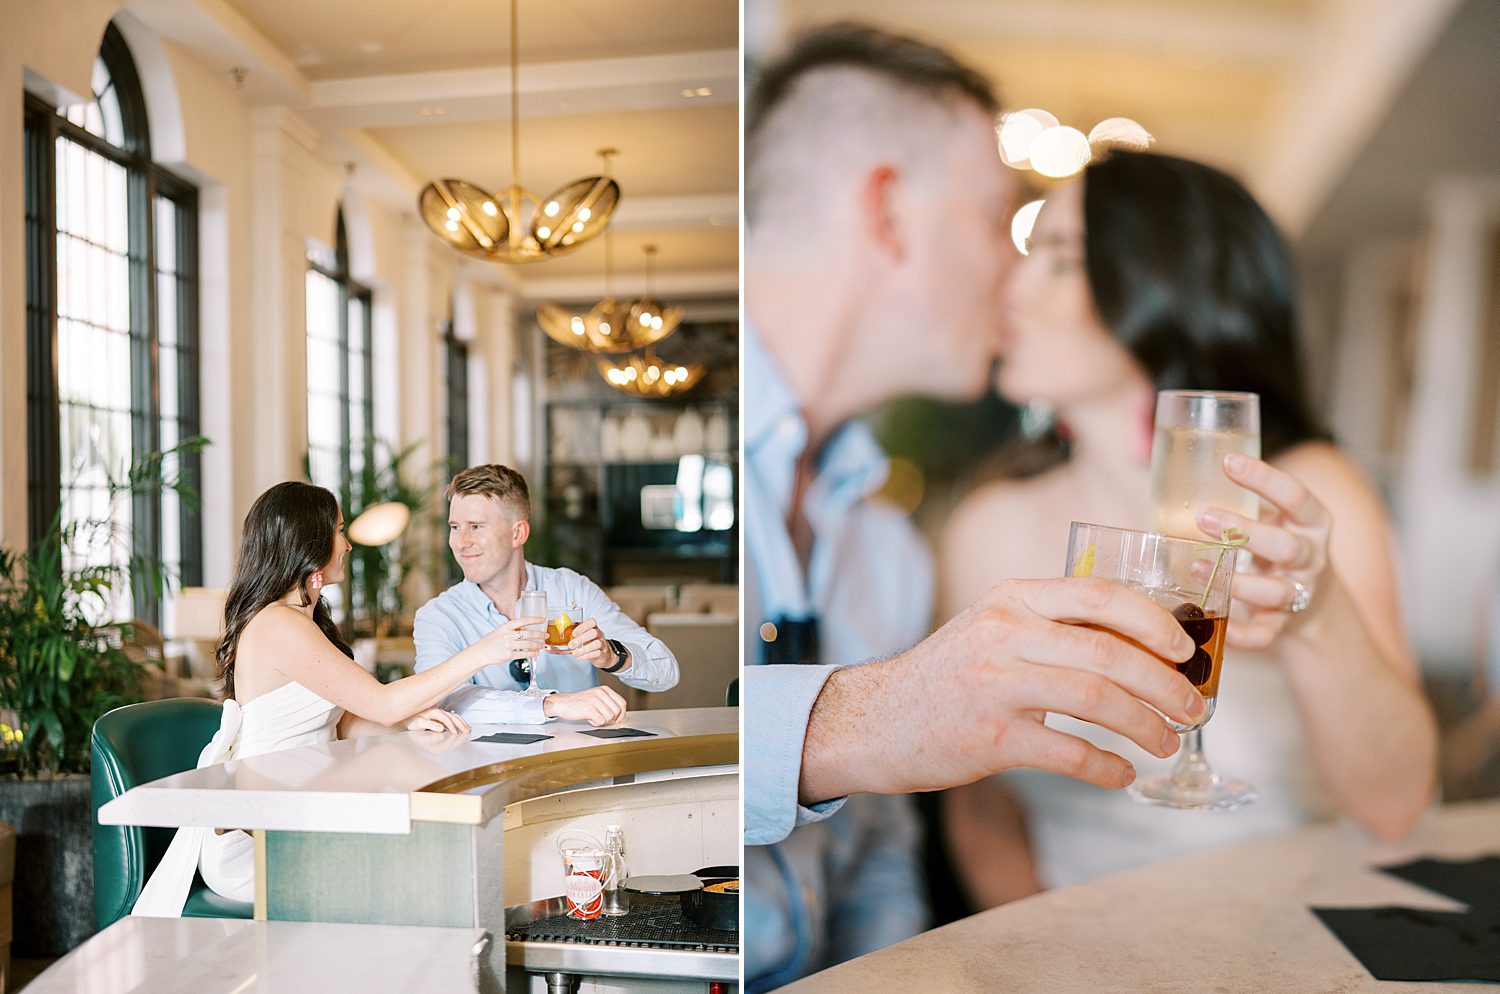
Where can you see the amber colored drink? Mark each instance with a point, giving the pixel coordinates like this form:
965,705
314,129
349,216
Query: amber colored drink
1207,633
560,631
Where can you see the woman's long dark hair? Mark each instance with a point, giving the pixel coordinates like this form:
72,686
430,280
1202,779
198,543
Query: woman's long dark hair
288,536
1190,274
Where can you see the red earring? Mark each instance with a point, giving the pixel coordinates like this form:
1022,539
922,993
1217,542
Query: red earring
317,581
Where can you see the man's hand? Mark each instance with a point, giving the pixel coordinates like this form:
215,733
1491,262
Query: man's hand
597,706
588,643
970,700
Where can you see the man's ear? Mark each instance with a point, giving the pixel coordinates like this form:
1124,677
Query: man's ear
520,533
881,203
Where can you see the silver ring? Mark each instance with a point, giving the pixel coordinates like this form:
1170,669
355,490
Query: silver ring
1301,597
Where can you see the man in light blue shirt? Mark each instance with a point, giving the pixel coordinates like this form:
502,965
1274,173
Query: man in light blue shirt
489,523
876,250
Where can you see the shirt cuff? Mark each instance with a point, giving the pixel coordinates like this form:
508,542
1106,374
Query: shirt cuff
777,703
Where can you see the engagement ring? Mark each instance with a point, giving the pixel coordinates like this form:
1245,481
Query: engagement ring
1301,596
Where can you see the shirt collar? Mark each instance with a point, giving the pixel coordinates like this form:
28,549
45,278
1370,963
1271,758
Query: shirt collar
852,464
472,597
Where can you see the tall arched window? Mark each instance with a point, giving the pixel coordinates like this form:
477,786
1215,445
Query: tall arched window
340,409
112,350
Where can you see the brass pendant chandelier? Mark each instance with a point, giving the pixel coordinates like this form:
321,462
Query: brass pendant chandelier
650,377
613,326
516,225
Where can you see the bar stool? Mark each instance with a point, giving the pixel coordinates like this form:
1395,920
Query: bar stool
130,746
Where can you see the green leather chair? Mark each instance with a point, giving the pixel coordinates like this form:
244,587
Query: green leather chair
133,745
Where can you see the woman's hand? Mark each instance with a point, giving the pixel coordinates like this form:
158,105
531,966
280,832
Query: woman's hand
1290,549
436,720
514,640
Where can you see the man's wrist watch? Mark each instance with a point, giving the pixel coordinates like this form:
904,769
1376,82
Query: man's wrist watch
621,655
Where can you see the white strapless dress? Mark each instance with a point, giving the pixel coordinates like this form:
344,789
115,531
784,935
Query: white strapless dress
286,718
1079,832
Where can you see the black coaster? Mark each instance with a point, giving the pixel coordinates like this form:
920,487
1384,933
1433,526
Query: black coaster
616,733
511,738
1475,882
1416,945
1409,944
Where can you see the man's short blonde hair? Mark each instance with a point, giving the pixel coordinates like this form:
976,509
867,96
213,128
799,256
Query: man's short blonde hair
500,483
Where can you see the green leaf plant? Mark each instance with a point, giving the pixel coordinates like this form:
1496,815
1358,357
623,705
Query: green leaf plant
61,662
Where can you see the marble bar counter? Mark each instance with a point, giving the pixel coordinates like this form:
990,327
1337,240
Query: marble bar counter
233,956
1229,920
383,784
428,829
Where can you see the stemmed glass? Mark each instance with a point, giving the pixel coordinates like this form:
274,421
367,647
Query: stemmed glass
1192,581
532,604
1195,430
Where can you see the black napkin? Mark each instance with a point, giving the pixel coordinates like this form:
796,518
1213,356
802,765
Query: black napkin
1475,882
616,733
1416,945
511,738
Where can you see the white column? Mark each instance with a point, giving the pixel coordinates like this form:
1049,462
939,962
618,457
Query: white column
1451,526
1365,365
282,171
494,371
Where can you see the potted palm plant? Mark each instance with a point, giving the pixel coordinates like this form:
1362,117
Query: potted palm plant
61,667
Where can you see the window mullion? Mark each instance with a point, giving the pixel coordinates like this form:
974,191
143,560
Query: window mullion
43,422
144,399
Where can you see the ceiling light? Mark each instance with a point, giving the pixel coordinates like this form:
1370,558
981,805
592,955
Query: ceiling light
1018,130
613,326
1121,132
1022,223
1059,151
647,376
515,232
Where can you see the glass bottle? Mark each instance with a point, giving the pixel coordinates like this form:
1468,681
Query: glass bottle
616,897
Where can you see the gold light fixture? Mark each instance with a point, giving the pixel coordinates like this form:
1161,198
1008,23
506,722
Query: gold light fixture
613,326
650,377
499,227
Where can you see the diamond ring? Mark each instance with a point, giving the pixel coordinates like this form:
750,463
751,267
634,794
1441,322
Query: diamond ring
1301,597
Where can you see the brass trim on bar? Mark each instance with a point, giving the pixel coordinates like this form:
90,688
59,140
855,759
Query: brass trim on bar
525,777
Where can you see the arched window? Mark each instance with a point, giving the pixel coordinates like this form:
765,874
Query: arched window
112,350
340,410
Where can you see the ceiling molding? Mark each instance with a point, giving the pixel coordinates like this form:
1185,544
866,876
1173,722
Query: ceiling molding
1249,35
700,283
221,37
555,89
717,210
1362,55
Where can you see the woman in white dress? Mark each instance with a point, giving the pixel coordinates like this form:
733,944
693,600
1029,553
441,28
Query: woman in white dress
291,680
1152,273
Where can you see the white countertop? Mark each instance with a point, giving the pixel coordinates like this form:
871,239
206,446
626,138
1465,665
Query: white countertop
235,956
365,784
1231,920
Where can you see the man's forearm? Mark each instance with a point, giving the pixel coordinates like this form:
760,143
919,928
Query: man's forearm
849,720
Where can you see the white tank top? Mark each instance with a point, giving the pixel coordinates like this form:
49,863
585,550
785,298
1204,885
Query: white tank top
1079,831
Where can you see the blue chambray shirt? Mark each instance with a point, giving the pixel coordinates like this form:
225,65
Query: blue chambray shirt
463,614
838,879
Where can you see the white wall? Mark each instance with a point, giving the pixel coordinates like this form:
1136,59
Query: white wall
1450,518
268,186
